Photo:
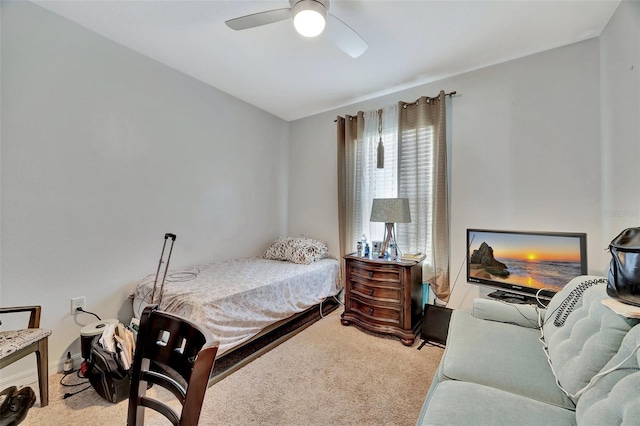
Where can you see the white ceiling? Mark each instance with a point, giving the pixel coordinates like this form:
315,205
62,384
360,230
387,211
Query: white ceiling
275,69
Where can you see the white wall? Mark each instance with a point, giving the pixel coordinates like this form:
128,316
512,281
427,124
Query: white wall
620,89
102,152
524,154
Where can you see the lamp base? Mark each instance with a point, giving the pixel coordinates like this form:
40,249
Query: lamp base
388,232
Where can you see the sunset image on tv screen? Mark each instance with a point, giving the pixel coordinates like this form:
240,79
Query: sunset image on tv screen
538,261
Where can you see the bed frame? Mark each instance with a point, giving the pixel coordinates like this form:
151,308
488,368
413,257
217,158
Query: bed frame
269,338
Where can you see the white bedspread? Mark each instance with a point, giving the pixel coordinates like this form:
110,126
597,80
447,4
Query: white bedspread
236,299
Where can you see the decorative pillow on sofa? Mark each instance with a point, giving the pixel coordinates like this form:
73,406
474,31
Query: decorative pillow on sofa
296,249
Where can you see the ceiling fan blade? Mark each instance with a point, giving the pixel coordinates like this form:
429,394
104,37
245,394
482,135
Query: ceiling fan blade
258,19
345,38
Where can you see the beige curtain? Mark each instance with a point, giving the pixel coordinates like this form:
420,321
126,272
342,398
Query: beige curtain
350,133
422,158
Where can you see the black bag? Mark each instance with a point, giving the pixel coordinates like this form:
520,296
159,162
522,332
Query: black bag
624,270
106,374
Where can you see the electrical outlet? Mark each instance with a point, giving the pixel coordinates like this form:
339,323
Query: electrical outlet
77,302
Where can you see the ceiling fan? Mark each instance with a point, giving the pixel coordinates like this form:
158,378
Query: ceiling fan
309,19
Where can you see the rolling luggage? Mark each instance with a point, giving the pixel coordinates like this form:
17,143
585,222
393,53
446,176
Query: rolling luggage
166,268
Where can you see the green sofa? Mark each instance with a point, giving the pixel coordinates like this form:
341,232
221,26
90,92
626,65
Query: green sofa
495,370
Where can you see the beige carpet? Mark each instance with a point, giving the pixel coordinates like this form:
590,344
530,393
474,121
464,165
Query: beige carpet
326,375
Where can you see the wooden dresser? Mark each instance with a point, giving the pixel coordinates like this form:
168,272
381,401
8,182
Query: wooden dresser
383,296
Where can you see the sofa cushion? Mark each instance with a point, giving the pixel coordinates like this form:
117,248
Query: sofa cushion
459,403
512,313
588,339
500,355
614,398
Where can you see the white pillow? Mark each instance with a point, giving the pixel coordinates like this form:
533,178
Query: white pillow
297,250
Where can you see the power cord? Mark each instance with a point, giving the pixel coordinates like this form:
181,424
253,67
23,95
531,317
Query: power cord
69,394
73,385
541,301
335,297
79,309
458,274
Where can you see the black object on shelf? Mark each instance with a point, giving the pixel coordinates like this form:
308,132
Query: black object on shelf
521,299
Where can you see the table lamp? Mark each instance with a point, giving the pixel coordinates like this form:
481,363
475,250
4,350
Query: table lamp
390,211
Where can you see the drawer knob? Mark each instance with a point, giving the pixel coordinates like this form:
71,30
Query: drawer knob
370,311
370,292
371,274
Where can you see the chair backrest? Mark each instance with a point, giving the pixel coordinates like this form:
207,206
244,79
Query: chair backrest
175,354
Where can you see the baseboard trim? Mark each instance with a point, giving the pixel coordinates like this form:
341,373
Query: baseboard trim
30,375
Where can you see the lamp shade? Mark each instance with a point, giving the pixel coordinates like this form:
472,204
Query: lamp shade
390,210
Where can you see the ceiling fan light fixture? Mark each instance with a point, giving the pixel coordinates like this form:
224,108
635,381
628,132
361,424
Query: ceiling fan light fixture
309,17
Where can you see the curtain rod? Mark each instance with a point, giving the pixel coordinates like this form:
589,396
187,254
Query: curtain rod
450,94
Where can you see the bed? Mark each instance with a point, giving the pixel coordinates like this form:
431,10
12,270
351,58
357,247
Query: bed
238,299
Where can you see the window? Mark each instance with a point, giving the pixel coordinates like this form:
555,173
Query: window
415,167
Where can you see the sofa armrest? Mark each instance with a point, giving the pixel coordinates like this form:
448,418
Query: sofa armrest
512,313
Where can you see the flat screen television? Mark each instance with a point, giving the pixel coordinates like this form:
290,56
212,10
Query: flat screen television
525,263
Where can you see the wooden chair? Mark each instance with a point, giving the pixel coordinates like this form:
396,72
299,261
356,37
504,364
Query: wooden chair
16,344
175,354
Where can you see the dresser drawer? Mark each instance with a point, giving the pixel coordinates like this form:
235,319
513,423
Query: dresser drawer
383,296
369,290
374,273
385,315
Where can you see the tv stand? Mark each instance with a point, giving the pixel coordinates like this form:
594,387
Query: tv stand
513,298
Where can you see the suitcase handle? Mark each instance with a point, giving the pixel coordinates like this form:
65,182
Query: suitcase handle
166,267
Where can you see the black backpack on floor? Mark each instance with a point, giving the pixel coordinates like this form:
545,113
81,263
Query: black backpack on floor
106,374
